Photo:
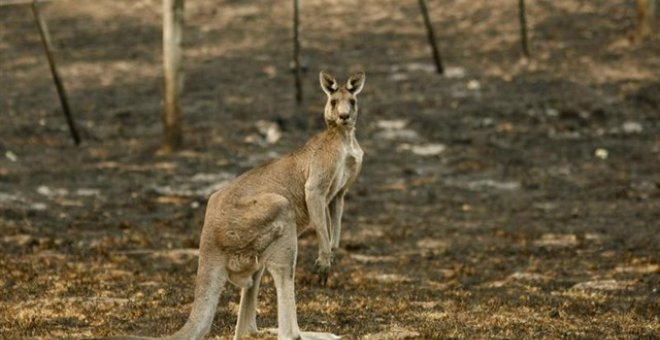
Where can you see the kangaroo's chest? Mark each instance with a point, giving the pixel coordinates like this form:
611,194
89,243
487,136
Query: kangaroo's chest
348,169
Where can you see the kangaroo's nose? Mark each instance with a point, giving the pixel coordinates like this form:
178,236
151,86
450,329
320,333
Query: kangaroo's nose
343,116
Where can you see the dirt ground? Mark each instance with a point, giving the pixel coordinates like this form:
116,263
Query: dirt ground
508,199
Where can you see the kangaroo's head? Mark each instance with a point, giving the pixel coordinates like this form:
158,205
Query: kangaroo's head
341,109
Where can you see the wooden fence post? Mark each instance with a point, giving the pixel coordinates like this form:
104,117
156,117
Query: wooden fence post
173,68
61,93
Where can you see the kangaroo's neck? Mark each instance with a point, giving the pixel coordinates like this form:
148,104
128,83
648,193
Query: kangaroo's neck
346,133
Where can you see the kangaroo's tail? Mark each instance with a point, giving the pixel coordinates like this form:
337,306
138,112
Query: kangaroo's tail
211,279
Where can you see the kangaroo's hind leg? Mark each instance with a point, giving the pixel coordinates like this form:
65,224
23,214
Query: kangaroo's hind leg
247,313
265,219
281,265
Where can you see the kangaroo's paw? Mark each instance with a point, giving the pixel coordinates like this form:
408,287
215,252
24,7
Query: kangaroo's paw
318,336
250,333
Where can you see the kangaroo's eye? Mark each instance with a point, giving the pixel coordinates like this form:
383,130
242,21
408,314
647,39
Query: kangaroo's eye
353,102
333,102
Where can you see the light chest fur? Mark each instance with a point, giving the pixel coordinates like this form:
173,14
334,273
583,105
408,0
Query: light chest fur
348,168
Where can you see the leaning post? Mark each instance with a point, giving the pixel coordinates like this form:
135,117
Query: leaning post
61,93
431,36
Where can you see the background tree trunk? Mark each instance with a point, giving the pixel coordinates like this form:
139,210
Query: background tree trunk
645,19
173,67
296,50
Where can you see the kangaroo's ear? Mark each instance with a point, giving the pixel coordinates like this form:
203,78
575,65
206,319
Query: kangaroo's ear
328,83
355,82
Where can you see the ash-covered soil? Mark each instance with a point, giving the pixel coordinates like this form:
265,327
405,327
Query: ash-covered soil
508,199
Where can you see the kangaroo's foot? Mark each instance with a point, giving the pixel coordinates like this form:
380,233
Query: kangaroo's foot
305,335
318,336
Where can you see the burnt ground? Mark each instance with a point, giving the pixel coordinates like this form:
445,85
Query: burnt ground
509,199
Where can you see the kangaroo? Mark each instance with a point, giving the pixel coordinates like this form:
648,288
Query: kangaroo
253,223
